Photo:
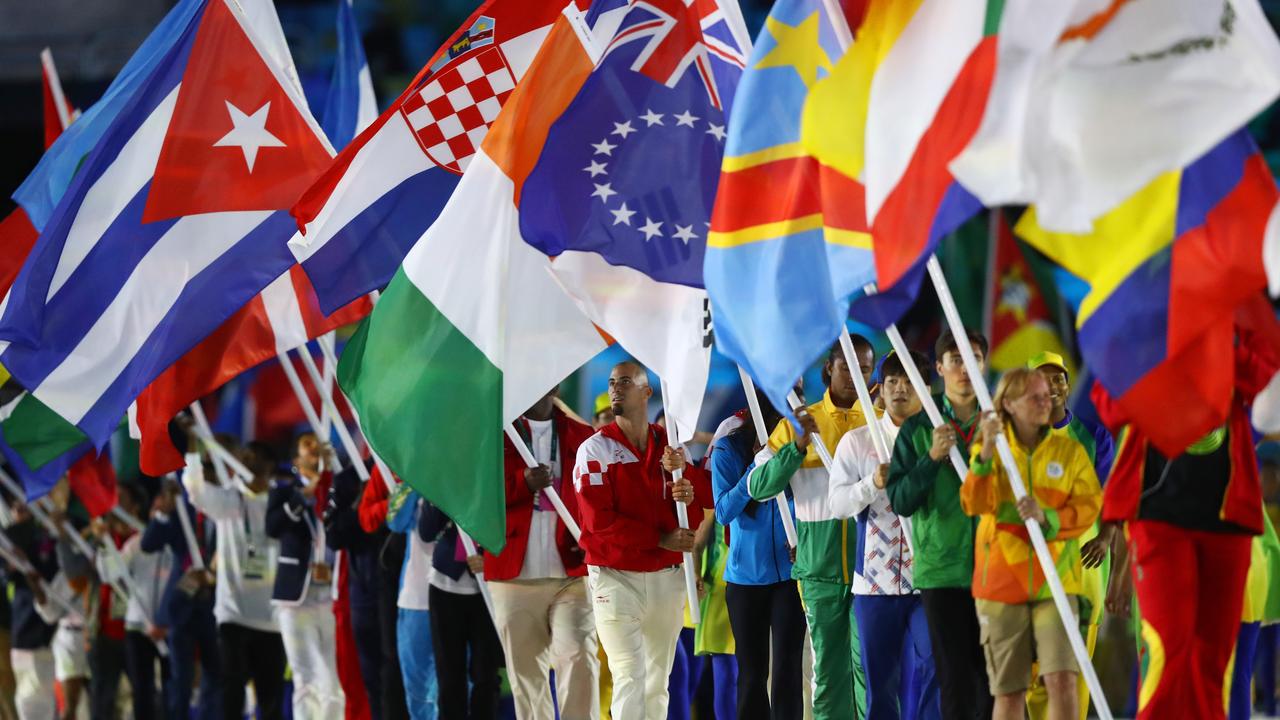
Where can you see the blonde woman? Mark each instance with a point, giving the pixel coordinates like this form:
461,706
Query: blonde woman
1018,620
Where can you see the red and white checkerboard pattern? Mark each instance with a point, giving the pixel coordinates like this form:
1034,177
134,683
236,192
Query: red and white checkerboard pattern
593,473
451,114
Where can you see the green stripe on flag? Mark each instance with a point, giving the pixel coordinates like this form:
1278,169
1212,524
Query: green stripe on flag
37,433
431,405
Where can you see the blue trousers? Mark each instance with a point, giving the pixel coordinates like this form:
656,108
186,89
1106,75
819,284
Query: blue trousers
417,662
1241,705
1265,667
200,631
890,626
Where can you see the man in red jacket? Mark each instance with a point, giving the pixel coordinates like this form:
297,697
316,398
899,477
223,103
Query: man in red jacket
633,542
540,601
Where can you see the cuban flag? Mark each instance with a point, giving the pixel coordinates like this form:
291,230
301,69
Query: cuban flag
350,105
388,186
174,221
622,193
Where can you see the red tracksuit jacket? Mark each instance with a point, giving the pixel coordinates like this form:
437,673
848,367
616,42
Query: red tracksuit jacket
510,562
626,503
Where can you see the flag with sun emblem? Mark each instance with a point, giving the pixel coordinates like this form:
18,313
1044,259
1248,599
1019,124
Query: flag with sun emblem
1018,321
622,192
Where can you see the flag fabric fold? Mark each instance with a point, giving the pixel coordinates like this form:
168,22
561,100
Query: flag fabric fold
382,192
473,329
1017,318
1093,100
622,192
350,106
1167,270
787,246
897,109
173,222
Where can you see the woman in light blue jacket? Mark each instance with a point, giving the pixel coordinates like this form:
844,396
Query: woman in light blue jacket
764,605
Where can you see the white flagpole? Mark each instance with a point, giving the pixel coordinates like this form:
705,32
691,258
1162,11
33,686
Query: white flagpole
762,437
344,435
55,87
549,491
682,516
9,552
815,439
331,357
1068,618
218,454
469,545
295,382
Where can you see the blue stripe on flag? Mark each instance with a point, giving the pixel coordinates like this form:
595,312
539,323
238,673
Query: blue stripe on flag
367,251
341,113
40,193
24,316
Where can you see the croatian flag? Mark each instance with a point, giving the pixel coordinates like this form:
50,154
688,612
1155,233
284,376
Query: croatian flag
386,188
174,221
350,106
622,193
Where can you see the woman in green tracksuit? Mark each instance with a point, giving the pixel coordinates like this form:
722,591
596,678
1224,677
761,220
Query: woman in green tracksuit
827,545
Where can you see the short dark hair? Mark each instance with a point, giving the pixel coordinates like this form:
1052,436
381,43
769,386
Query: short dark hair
134,493
947,343
297,442
859,343
892,365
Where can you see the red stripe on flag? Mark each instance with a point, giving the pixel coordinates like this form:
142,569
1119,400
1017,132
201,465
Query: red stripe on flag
793,192
1218,265
844,201
93,479
902,226
17,236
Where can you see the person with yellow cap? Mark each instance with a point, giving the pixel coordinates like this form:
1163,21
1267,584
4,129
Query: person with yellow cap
1097,542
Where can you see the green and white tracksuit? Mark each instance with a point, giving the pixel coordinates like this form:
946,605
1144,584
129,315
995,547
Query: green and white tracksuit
825,556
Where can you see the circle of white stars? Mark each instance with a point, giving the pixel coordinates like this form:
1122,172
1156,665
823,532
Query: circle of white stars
602,155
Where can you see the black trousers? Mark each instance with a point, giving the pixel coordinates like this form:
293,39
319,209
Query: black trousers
140,656
390,560
460,625
766,617
249,654
960,666
106,664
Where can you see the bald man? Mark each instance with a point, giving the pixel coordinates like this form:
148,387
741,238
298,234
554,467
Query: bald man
633,542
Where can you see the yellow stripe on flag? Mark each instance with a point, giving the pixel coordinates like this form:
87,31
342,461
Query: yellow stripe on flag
786,151
847,238
1121,240
766,231
834,122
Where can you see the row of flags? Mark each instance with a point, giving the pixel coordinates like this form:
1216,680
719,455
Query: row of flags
566,175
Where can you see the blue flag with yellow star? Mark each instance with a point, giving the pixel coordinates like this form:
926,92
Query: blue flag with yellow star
782,258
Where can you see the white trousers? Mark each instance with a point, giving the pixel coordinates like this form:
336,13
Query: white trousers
546,624
33,671
309,636
638,617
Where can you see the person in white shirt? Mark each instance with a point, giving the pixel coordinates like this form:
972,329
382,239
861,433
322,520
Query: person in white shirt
543,612
887,607
248,633
150,573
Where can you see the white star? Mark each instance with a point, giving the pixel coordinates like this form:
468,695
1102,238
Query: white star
651,117
651,229
716,131
623,129
603,191
685,233
249,132
603,147
622,216
685,118
595,168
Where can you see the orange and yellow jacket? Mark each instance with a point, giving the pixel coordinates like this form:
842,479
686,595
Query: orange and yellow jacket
1059,474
